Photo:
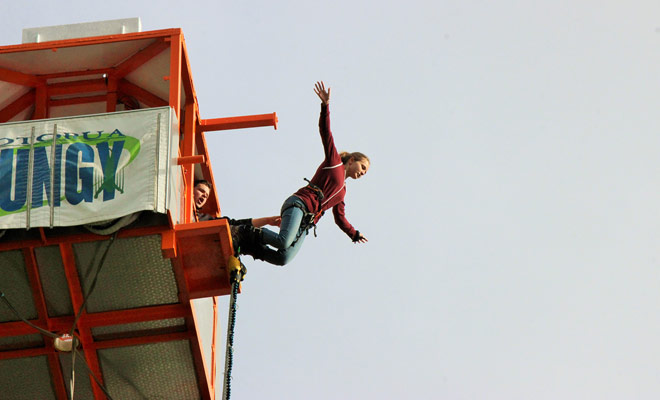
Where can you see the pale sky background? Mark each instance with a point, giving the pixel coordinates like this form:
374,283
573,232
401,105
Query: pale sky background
512,206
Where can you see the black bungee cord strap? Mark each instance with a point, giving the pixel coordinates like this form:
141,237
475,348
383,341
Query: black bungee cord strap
237,273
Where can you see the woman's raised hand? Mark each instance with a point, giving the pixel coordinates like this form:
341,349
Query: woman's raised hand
323,94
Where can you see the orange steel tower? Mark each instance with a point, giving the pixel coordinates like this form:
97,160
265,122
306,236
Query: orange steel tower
101,142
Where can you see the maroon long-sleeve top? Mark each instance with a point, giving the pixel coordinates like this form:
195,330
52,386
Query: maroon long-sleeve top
330,178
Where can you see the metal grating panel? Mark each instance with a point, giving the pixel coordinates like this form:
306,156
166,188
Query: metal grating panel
147,327
20,342
16,286
135,274
26,379
82,388
53,281
152,371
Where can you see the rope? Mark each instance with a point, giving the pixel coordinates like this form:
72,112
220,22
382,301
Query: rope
111,226
93,285
11,307
229,356
75,351
72,381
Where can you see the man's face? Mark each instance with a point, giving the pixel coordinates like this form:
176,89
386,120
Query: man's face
201,194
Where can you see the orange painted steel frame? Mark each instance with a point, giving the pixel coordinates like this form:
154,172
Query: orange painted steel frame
87,321
193,151
116,86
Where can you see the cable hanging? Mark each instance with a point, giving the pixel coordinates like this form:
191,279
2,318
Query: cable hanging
41,330
93,285
98,382
72,381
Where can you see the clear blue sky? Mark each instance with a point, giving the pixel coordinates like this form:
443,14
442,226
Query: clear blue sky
511,207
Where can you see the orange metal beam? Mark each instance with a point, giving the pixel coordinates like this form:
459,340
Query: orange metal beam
143,95
84,332
77,100
175,74
93,320
41,103
81,237
191,324
42,234
37,351
219,226
18,78
42,311
68,74
186,76
75,87
18,328
198,358
248,121
111,102
134,341
187,149
213,343
212,205
140,58
37,290
135,315
168,244
198,159
17,106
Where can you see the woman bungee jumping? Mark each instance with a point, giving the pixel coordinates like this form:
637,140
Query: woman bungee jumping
302,210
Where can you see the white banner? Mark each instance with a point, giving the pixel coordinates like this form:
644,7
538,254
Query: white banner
100,167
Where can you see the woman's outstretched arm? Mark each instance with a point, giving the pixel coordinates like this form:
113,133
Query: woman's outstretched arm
331,155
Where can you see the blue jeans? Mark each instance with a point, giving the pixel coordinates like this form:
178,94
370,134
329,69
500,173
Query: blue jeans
291,236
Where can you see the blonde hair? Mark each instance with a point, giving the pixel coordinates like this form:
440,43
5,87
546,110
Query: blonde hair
357,156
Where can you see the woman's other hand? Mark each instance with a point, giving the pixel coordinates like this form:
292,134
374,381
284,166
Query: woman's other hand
360,239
